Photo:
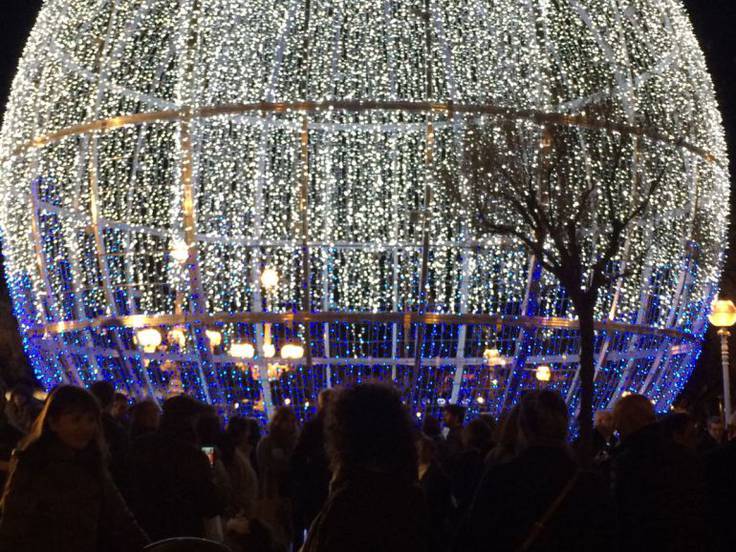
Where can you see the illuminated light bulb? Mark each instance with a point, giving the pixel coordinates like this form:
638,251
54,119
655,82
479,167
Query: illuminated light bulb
625,394
179,251
419,414
242,350
148,339
723,314
269,350
215,337
544,373
292,351
269,279
287,402
480,400
306,404
177,336
236,406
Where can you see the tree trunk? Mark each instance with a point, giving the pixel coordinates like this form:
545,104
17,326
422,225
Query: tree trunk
584,308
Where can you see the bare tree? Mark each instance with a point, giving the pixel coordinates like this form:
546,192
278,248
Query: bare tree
570,194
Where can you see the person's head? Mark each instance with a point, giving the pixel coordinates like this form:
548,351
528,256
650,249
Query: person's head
431,427
180,415
236,437
209,427
543,418
104,392
120,406
477,435
453,415
20,395
632,413
145,416
71,416
254,436
715,428
238,432
283,426
323,400
681,428
603,422
367,427
508,432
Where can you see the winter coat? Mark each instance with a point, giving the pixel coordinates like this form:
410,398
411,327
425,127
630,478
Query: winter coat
369,511
721,487
659,492
512,497
273,467
436,487
310,472
58,500
171,486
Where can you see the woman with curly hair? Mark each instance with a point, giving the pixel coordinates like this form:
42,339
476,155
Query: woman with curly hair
374,502
59,495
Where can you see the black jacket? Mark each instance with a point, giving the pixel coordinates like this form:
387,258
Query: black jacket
659,493
310,472
721,492
59,500
513,496
371,512
170,485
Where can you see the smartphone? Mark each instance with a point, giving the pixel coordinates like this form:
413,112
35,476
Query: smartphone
210,452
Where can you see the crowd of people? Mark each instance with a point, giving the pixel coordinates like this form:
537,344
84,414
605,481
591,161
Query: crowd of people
90,473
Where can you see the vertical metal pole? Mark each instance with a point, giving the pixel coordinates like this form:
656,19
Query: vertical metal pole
306,275
724,333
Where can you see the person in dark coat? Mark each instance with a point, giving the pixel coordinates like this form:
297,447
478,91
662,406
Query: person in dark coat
10,436
310,470
658,485
454,417
712,437
115,434
468,467
539,498
721,494
145,417
435,485
171,486
22,408
375,503
60,496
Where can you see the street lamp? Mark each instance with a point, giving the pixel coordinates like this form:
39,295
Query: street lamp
723,316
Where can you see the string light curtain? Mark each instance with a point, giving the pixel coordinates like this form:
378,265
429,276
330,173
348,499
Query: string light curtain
159,157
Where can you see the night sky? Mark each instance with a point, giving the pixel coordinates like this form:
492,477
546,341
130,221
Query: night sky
714,22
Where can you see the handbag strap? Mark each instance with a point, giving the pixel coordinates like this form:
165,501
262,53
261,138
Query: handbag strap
541,523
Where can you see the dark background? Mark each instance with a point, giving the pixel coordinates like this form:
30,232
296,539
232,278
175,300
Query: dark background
714,22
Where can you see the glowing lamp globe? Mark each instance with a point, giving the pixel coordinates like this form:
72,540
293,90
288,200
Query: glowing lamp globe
279,171
723,314
292,351
543,373
242,350
269,279
148,339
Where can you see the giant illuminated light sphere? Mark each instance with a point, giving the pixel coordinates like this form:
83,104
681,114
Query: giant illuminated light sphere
159,156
